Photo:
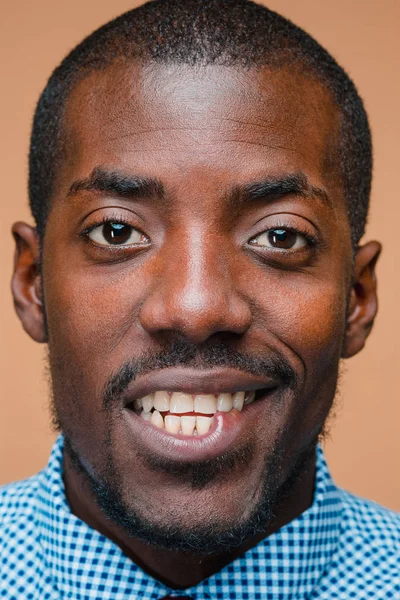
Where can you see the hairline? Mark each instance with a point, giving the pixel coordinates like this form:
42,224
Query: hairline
148,34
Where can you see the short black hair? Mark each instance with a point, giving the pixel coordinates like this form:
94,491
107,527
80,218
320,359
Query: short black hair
203,32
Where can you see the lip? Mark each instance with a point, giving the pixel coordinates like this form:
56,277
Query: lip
226,431
195,381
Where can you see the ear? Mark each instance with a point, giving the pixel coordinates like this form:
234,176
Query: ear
26,282
363,303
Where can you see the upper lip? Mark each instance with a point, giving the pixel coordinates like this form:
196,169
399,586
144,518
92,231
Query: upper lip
195,381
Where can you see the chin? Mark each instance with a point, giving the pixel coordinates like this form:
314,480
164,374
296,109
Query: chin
205,507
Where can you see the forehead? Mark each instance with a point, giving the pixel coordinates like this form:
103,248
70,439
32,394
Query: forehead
178,122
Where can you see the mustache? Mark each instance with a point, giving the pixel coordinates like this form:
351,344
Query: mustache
209,354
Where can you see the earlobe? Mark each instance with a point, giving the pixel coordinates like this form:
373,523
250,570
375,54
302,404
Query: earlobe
26,282
363,303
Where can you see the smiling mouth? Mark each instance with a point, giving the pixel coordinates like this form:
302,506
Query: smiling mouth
179,413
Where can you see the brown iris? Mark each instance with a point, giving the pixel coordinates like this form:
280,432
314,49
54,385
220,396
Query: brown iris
116,233
282,238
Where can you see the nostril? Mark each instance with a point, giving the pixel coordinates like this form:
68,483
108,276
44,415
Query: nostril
196,307
196,326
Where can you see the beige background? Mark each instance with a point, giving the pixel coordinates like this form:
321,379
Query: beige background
364,35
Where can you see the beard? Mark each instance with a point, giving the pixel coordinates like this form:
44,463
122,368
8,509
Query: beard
213,535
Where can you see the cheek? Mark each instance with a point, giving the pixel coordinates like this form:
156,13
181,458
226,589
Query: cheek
314,317
92,314
306,318
312,326
91,320
307,315
91,335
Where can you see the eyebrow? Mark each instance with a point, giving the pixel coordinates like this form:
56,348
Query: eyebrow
124,185
271,189
119,184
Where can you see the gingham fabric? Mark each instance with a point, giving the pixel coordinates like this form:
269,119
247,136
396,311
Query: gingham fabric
342,547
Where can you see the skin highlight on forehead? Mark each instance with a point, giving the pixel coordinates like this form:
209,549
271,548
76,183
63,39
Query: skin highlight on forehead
205,110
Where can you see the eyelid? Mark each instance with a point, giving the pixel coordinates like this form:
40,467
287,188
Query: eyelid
117,219
312,240
107,219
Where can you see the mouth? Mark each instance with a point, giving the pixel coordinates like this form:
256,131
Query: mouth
183,414
190,415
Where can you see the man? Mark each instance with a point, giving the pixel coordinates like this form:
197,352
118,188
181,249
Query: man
199,176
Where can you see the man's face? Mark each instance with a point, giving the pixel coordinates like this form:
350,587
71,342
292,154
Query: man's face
231,271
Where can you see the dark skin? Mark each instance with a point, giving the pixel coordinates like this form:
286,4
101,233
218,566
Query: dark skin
202,272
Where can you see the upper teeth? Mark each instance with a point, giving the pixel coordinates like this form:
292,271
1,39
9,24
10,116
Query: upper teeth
179,403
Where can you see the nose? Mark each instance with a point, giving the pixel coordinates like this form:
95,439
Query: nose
195,293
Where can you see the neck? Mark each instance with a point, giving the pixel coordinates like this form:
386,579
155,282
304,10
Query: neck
182,570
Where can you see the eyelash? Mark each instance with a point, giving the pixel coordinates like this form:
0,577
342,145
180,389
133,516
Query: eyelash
103,221
311,240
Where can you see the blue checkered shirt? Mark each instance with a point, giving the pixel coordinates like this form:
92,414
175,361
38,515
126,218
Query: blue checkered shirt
341,547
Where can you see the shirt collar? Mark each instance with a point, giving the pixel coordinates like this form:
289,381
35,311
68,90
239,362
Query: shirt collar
77,555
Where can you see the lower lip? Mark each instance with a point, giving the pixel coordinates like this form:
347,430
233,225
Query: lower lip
227,428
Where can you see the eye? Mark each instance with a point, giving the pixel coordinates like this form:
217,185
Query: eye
280,239
116,234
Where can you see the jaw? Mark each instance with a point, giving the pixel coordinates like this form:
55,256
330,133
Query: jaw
226,475
220,475
240,498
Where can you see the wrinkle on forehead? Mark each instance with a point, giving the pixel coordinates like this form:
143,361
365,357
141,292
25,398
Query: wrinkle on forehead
201,113
183,96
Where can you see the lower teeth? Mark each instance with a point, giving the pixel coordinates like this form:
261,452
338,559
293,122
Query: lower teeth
185,425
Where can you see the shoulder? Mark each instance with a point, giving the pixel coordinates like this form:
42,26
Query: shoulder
18,499
19,510
366,561
22,558
371,523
